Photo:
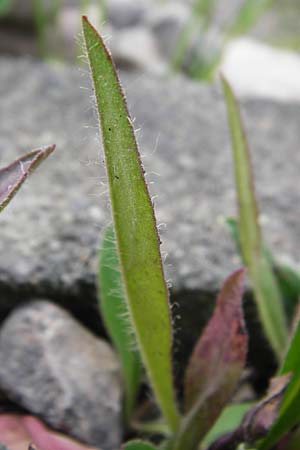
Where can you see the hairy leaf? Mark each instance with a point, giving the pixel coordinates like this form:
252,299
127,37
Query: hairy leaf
135,227
215,365
258,420
264,284
14,175
114,312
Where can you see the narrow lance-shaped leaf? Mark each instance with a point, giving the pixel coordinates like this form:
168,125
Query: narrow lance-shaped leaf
114,312
287,278
135,227
215,365
289,412
264,284
13,176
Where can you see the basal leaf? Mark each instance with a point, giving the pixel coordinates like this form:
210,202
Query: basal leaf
264,284
14,175
215,365
257,421
289,412
138,445
288,280
135,227
114,312
228,421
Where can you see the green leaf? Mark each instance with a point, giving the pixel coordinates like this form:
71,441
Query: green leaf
151,427
215,365
5,6
229,419
287,278
13,176
257,421
289,412
135,227
264,284
138,445
247,16
232,225
289,284
114,312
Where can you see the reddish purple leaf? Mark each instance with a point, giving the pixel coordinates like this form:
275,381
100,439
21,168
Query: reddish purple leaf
216,363
14,175
18,431
222,345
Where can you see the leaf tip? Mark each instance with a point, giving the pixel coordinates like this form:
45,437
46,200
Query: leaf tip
236,278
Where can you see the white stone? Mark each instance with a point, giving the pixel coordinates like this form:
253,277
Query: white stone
135,48
258,70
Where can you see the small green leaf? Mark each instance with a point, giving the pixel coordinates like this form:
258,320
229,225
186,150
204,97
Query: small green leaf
228,421
258,420
151,427
13,176
264,284
138,445
135,227
114,312
215,365
289,412
5,6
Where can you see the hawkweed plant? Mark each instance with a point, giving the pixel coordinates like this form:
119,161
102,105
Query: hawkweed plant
135,308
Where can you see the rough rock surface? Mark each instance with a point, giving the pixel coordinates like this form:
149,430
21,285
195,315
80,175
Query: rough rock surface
127,13
263,72
51,232
52,366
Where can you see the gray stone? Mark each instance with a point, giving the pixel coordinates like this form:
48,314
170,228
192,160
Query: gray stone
167,23
135,49
24,10
127,13
52,366
225,13
50,233
280,25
